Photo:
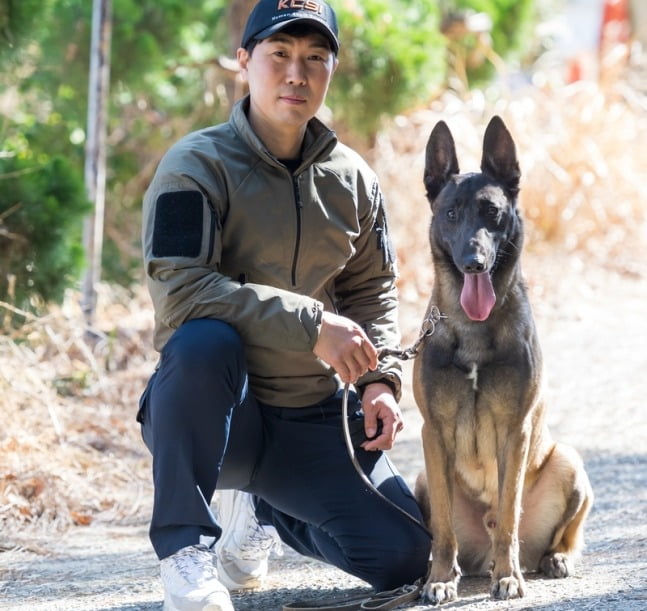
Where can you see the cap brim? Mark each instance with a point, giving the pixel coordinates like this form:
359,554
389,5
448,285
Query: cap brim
313,23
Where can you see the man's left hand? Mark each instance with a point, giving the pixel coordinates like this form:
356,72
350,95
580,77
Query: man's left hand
378,403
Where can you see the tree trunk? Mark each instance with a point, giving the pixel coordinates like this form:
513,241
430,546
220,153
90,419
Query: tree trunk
238,12
236,18
95,151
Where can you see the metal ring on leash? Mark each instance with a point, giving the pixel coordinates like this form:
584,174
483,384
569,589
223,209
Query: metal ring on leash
428,328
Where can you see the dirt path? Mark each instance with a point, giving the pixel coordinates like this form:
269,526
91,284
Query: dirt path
594,336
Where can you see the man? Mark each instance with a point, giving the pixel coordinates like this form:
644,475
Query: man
273,282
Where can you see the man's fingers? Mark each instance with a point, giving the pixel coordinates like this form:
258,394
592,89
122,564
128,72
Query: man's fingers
343,344
352,371
371,354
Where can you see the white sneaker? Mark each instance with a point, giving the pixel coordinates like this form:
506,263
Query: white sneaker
191,581
243,550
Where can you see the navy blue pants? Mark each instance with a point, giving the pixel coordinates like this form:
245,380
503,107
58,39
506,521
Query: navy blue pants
206,430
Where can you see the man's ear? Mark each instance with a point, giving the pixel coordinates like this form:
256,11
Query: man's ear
242,55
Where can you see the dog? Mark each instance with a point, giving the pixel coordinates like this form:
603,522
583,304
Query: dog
499,495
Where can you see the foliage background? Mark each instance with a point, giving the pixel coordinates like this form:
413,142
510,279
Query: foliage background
172,71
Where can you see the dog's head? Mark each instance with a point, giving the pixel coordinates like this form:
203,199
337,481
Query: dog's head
475,224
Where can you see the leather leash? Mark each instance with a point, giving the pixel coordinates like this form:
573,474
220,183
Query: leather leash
389,599
427,329
380,601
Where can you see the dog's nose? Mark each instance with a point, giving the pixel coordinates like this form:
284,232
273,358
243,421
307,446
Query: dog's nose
474,264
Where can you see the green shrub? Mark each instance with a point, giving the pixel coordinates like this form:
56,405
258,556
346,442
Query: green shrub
42,204
391,59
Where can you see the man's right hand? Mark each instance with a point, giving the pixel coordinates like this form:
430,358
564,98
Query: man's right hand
344,346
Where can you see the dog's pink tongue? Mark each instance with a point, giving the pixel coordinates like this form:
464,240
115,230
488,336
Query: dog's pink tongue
477,297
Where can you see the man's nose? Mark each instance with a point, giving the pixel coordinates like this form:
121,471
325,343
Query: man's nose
296,72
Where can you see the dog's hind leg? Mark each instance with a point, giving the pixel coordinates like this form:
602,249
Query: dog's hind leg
555,508
568,540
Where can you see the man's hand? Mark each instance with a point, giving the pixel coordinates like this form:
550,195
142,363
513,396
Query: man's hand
378,403
345,347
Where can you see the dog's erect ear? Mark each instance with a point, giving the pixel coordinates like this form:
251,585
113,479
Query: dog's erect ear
440,160
500,155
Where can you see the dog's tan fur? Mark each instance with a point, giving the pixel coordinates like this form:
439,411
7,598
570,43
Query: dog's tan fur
499,494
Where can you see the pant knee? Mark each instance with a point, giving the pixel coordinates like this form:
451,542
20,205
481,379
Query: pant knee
404,563
204,341
202,375
408,566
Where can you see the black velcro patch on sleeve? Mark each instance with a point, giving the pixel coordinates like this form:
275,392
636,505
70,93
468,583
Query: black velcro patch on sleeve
178,224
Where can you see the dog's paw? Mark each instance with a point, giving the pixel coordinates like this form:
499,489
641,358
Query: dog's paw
556,565
439,592
507,587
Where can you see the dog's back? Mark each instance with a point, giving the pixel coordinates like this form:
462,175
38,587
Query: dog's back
477,383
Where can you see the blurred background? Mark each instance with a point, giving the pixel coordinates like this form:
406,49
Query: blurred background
84,124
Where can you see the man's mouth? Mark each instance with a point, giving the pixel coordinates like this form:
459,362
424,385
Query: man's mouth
293,99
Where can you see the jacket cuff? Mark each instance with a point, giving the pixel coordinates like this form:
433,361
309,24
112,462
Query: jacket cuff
390,378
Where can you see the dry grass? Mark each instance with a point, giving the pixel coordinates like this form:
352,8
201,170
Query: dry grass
583,164
70,450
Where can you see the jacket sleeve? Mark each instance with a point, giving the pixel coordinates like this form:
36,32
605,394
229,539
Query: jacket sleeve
182,244
366,289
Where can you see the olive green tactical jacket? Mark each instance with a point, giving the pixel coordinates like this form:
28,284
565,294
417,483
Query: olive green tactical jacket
230,233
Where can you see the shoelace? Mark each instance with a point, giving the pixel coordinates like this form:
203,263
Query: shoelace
194,564
258,540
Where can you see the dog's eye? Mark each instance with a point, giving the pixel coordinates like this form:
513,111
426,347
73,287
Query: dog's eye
492,211
451,214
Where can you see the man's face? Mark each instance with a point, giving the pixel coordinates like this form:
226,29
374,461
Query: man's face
288,79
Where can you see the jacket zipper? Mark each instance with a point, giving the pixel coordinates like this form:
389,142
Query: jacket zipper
298,207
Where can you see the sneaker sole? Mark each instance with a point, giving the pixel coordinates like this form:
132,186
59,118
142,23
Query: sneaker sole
169,605
248,583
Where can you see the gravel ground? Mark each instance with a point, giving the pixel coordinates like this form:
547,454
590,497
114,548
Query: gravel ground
595,346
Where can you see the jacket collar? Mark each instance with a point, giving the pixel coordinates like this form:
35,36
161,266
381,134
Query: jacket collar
319,140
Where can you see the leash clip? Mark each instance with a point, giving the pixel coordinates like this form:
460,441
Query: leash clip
427,329
429,324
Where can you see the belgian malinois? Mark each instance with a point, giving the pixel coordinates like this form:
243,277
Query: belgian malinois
499,494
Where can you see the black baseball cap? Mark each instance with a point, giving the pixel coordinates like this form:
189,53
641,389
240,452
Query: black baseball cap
271,16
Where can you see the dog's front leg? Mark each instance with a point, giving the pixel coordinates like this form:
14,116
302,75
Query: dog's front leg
507,580
442,583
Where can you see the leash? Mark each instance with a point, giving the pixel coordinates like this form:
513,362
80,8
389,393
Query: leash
389,599
382,601
428,328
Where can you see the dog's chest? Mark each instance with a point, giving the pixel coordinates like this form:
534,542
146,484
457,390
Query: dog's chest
476,452
490,398
475,380
474,351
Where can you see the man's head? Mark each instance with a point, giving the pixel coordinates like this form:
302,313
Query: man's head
287,58
271,16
